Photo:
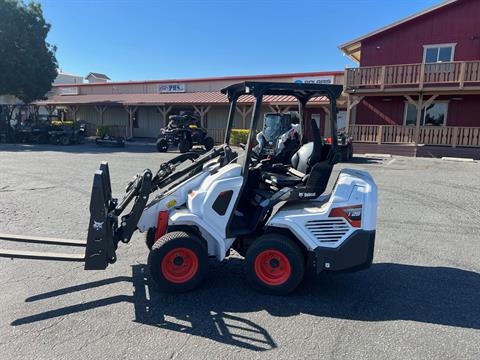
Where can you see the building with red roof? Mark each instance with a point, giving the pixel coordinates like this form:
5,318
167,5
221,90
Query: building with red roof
418,79
141,108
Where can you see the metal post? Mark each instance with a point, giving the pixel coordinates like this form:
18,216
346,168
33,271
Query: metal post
333,121
303,119
251,135
419,118
231,118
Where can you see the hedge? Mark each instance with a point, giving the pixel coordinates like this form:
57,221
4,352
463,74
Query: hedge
239,136
60,123
102,130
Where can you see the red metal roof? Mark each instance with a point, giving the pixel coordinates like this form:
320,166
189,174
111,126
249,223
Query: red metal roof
221,78
195,98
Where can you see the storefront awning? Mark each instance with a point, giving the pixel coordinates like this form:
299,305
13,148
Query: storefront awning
193,98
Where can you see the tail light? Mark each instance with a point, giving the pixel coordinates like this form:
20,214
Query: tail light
329,140
353,214
162,224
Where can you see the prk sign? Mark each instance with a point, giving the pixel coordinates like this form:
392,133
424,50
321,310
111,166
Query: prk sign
71,90
171,88
314,80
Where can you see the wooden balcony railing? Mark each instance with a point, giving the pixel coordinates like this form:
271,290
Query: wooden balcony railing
459,74
429,135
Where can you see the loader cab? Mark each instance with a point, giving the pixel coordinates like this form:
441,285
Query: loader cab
307,176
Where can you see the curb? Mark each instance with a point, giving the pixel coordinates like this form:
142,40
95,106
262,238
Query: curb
378,155
446,158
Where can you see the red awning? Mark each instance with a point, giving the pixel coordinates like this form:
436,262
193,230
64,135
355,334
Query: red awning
192,98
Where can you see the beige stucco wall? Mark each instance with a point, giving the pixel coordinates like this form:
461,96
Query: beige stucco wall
150,120
152,87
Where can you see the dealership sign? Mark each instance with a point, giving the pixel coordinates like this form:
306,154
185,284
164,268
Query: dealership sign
171,88
314,80
72,90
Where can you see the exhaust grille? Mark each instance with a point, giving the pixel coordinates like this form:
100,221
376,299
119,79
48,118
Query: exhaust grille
331,230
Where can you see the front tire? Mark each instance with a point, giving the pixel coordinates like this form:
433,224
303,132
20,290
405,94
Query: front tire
178,262
184,145
162,145
274,264
208,142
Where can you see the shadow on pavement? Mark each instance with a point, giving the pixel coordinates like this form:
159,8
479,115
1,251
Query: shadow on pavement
364,160
88,148
92,148
385,292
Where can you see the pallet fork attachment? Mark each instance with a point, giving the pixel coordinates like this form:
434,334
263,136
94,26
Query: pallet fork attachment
105,229
103,232
19,254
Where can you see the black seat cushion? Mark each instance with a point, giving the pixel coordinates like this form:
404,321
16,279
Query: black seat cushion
281,180
301,159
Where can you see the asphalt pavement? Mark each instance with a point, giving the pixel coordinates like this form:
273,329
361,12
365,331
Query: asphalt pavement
419,300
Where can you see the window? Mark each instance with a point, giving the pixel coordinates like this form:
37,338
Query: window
438,53
434,115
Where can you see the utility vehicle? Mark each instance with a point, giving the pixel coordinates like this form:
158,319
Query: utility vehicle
34,130
66,134
183,131
277,216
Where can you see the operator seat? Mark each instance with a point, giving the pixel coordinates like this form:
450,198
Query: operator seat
302,162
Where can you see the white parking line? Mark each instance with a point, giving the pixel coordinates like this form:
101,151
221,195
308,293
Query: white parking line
390,162
378,155
457,159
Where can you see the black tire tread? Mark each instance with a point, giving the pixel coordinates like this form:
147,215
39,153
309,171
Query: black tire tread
200,249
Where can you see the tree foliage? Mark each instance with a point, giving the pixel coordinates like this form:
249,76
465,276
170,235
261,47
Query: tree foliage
27,61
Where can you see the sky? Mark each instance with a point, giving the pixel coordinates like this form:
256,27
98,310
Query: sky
160,39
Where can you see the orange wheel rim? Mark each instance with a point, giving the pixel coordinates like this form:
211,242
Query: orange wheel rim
179,265
272,267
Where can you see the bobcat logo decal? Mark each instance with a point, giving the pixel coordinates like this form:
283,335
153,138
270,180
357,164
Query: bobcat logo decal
97,225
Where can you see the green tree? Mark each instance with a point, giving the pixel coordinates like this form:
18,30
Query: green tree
27,61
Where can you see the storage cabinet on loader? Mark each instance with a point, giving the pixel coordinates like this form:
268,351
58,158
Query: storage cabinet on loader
277,216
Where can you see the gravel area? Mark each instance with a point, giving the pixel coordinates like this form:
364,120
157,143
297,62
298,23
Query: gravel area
419,300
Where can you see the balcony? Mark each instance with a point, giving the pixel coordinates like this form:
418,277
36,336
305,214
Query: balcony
446,76
452,136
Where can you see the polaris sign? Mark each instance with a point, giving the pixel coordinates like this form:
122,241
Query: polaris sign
314,80
171,88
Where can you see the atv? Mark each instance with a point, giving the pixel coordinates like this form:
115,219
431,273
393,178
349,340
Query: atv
278,218
66,134
345,145
183,131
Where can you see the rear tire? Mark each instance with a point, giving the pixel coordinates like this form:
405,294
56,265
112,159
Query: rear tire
208,142
178,262
64,140
347,153
162,145
184,145
274,264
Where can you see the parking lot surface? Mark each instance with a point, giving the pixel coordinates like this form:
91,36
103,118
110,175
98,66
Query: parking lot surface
419,300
